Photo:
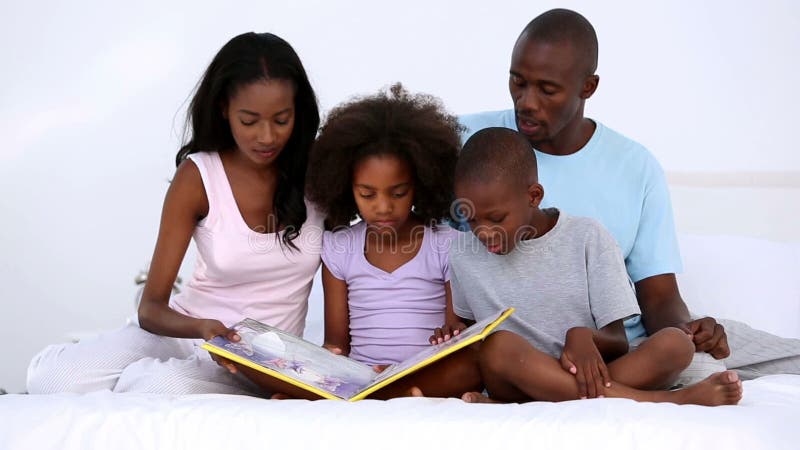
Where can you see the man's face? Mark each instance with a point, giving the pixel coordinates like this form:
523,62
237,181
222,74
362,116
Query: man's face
548,84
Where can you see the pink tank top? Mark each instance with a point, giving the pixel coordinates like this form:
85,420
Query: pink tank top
241,273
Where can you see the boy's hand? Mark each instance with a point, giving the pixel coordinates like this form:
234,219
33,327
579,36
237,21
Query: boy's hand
446,331
582,359
210,328
709,336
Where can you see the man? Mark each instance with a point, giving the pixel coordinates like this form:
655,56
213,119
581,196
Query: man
591,170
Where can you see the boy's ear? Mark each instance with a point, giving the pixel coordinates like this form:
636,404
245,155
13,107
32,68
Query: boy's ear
589,86
535,194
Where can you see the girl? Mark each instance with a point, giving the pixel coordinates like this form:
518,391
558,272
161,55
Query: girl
389,160
238,191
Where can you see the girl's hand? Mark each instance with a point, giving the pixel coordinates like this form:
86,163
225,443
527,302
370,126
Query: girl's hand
582,359
335,349
446,331
210,328
380,368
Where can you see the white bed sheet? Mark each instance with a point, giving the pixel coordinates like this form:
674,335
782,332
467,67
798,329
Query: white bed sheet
768,417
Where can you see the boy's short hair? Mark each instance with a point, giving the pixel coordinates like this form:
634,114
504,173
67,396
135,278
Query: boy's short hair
497,153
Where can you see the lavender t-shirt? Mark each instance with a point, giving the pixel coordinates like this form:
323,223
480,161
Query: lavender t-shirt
392,315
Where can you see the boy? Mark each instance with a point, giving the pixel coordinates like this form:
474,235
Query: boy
566,278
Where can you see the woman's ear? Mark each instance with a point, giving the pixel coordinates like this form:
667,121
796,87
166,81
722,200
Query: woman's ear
535,194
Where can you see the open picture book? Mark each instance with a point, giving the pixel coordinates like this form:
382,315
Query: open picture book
315,369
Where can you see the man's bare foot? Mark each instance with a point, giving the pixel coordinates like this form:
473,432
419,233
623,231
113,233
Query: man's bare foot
477,397
721,388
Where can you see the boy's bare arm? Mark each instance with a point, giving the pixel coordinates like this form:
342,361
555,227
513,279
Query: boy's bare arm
662,306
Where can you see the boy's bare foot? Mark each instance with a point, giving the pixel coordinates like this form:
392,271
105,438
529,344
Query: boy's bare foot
721,388
477,397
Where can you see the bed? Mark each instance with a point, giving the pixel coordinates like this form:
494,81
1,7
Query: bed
740,275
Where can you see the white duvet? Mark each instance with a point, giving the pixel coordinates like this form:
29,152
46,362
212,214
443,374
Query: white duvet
768,417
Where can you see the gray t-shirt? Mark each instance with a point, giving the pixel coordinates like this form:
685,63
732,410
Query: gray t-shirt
573,276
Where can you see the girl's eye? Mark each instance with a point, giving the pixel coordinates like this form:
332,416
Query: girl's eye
363,195
400,194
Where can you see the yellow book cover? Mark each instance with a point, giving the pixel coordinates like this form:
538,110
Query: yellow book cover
315,369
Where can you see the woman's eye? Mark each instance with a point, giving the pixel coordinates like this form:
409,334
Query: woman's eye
247,124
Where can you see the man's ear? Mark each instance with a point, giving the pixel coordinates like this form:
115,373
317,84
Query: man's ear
589,86
535,194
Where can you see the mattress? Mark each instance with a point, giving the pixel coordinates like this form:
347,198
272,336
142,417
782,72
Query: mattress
767,417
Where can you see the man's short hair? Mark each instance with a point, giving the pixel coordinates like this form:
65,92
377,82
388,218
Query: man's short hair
564,25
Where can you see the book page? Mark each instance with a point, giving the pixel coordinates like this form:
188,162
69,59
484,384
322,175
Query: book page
298,359
476,329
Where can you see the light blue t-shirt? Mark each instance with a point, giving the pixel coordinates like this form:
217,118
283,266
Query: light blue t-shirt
618,182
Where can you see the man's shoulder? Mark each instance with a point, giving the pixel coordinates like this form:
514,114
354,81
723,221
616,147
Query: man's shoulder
612,141
477,121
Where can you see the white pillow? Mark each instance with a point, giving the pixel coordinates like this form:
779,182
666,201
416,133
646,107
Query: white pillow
747,279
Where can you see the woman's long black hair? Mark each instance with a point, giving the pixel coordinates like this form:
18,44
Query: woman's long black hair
245,59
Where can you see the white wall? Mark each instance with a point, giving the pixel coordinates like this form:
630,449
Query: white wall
92,97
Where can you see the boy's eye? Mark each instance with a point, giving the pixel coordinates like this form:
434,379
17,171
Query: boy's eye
496,219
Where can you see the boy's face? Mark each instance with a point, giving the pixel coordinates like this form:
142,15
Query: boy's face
499,212
548,84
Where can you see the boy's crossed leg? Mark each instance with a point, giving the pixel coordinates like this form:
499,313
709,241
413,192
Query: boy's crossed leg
515,371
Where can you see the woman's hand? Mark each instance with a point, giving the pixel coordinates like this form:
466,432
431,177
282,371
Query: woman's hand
210,328
582,359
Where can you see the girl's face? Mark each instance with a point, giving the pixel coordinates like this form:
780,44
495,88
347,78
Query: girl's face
261,117
383,188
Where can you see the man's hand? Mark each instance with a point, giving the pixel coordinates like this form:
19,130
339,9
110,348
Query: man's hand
709,336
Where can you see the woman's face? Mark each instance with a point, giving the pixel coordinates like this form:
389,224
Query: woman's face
261,117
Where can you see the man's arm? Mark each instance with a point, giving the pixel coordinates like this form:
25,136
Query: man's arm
662,306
